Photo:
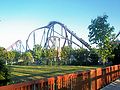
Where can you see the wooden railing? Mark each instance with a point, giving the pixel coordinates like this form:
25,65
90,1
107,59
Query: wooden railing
84,80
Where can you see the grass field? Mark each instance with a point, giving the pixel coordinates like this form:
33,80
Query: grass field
27,73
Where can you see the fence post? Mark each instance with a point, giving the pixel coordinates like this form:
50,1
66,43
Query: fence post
119,70
34,88
108,75
103,77
89,80
55,83
71,82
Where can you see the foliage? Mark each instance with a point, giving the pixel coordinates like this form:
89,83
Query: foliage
65,54
5,75
100,33
17,56
3,54
116,52
27,58
81,57
10,56
51,55
100,30
37,51
93,56
4,70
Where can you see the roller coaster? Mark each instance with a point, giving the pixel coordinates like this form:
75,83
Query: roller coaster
54,35
17,46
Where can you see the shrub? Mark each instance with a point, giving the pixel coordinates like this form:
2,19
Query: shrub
5,74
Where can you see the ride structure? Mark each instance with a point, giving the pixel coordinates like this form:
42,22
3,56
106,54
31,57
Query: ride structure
54,35
17,46
117,35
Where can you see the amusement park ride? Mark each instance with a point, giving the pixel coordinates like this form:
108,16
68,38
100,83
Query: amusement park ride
54,35
17,46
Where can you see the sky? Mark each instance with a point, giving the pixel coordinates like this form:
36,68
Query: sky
19,17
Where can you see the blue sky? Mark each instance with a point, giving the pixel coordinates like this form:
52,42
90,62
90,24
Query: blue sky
20,17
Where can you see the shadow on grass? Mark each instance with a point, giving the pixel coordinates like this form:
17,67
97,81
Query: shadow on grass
28,76
28,73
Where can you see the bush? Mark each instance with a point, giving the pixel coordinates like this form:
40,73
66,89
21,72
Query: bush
5,74
93,57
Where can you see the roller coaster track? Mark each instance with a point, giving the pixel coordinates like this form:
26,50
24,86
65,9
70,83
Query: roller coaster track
50,37
50,34
117,35
17,46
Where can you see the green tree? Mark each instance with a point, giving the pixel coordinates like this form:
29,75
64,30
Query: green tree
100,33
44,55
49,56
82,56
27,58
5,75
17,56
10,57
37,52
116,52
93,56
65,54
4,70
3,54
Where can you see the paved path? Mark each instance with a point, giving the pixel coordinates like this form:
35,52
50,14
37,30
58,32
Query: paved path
113,86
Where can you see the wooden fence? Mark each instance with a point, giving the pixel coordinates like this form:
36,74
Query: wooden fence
85,80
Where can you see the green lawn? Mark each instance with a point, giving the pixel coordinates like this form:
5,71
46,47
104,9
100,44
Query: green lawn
27,73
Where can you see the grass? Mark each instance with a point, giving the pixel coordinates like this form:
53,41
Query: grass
28,73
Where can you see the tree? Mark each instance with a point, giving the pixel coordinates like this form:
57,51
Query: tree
17,56
3,54
44,56
93,56
37,52
65,54
82,56
100,33
10,57
27,58
4,70
49,56
5,74
116,53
